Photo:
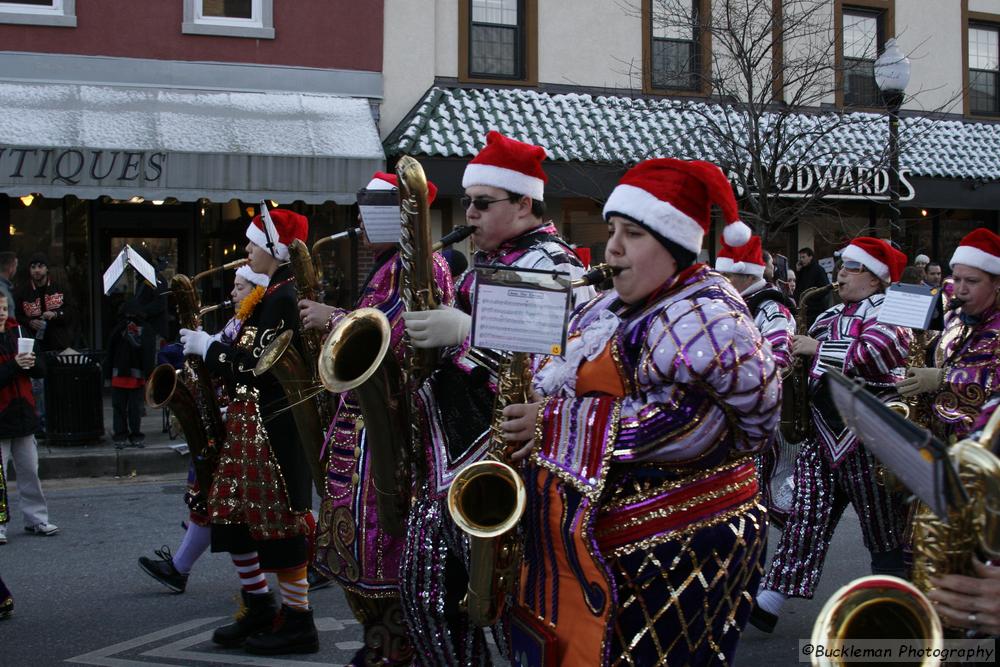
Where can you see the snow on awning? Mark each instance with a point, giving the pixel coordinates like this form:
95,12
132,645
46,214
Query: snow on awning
89,141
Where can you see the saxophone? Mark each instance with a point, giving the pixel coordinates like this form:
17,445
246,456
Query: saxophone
190,395
945,545
487,498
796,408
298,377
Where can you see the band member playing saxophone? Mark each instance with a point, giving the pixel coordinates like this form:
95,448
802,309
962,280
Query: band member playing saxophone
967,358
833,468
504,199
261,494
353,545
644,531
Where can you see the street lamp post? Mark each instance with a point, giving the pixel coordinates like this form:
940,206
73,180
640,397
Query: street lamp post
892,74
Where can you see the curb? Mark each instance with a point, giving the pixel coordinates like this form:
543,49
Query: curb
73,462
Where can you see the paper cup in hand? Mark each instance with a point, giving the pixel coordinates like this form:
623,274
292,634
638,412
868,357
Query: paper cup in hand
25,345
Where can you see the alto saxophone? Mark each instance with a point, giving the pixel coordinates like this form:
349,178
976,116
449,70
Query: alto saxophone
190,395
487,498
945,545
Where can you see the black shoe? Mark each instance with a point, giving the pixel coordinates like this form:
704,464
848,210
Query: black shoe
763,620
256,614
317,579
163,570
138,443
121,444
293,632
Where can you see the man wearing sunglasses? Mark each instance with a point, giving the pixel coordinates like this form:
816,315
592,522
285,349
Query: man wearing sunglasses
833,468
504,200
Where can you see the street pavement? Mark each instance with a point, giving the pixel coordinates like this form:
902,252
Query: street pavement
80,598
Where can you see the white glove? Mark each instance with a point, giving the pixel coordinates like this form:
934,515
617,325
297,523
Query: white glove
195,342
437,328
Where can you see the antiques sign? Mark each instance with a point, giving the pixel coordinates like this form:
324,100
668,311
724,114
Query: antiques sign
80,166
832,182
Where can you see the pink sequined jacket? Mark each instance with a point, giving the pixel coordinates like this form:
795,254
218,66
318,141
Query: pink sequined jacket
774,320
854,342
969,353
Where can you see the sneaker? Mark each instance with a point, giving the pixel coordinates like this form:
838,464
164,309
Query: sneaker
139,442
317,580
3,534
763,620
121,444
163,570
43,528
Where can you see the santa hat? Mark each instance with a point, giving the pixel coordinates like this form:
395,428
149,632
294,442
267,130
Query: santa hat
979,249
674,198
252,277
383,181
877,256
747,259
287,225
510,165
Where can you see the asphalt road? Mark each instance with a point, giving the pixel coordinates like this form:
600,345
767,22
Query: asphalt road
82,600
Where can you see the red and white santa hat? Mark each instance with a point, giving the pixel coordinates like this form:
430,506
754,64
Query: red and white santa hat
979,249
747,259
510,165
877,256
287,225
384,181
674,198
252,277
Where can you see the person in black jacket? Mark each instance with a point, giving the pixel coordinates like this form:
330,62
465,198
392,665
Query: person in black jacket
18,421
810,274
259,502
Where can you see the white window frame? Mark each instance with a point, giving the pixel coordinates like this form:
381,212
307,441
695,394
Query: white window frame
260,26
61,14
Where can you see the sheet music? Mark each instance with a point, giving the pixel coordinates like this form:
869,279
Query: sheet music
115,270
140,264
380,213
914,456
515,313
908,305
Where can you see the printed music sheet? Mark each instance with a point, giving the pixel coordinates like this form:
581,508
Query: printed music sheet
381,215
521,310
909,305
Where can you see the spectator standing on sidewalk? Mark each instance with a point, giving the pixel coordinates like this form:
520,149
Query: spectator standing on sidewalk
46,313
127,372
6,599
18,421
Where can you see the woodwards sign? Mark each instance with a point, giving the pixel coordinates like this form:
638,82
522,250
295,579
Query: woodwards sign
831,182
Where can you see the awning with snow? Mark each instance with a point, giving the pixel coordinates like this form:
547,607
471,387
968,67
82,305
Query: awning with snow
155,143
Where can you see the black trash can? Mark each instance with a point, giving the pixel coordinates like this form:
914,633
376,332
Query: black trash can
74,403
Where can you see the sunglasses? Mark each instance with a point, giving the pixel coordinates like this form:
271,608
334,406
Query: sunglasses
481,203
850,266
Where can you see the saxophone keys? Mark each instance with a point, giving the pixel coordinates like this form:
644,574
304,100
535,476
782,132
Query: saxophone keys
357,452
355,478
359,425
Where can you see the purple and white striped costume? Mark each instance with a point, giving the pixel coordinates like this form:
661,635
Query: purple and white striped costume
644,532
351,545
455,412
834,468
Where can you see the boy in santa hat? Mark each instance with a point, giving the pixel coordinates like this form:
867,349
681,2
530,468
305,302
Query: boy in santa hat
642,488
260,499
833,468
504,200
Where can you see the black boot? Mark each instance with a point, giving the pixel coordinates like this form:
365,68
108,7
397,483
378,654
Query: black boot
256,614
293,632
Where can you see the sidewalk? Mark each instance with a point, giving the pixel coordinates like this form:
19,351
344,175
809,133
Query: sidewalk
101,459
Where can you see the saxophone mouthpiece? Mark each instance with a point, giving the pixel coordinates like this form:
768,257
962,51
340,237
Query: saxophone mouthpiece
350,233
597,275
454,236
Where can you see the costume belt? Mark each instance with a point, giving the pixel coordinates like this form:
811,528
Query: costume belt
657,515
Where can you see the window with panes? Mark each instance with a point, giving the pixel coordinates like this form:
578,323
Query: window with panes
984,69
863,39
496,39
675,56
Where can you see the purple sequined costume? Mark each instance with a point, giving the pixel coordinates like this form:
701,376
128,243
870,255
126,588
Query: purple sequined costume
834,468
351,545
969,353
644,532
455,411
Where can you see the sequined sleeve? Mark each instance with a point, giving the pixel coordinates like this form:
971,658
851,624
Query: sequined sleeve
777,325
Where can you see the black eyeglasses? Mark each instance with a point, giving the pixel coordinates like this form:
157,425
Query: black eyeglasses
481,203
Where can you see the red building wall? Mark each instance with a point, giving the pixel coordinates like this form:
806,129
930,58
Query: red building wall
328,34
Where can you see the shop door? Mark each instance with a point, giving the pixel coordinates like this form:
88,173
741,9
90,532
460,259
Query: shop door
166,242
